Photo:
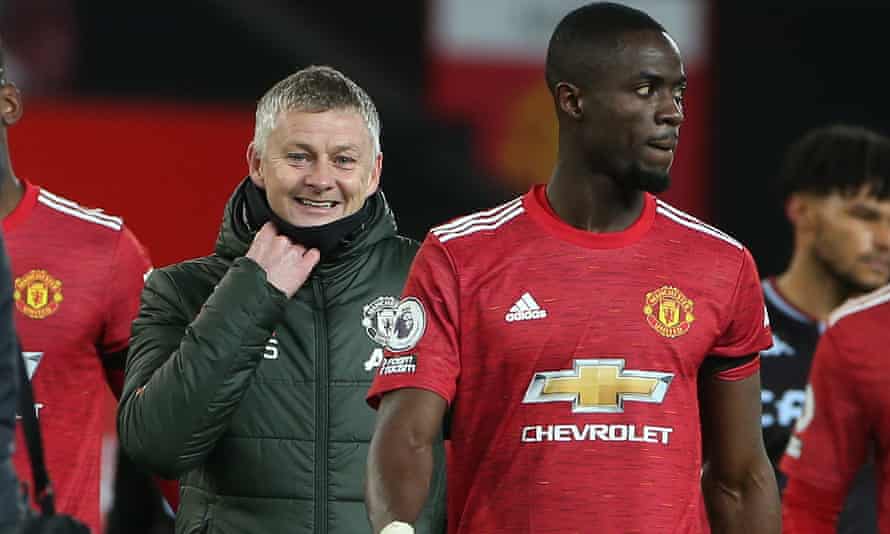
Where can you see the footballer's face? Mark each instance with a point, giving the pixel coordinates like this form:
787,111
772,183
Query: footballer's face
633,109
851,238
316,167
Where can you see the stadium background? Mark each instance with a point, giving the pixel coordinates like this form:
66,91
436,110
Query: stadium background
146,109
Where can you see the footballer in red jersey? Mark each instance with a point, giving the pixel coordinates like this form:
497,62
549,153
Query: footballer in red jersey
595,349
846,418
77,276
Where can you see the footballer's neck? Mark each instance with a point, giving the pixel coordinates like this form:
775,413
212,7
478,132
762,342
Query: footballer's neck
800,282
592,202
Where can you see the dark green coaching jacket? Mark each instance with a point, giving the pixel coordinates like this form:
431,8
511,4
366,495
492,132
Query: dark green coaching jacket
267,434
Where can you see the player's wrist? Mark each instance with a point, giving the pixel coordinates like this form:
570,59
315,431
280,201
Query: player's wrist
397,527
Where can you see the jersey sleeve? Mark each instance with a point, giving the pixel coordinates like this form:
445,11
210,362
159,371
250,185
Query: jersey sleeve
426,353
830,439
130,266
746,329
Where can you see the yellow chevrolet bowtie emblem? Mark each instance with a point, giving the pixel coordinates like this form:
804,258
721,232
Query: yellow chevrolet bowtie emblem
598,386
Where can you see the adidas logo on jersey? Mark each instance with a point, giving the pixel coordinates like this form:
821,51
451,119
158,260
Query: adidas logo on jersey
525,309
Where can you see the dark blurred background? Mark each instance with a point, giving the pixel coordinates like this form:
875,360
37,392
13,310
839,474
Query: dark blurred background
146,109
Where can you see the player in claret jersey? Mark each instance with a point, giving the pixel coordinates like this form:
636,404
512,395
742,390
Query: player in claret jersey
77,275
846,417
595,348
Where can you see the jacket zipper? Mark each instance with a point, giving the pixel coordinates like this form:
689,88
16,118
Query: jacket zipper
321,412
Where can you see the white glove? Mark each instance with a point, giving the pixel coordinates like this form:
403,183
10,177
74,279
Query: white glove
397,527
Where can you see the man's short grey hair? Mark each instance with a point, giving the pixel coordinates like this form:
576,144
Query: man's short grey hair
314,89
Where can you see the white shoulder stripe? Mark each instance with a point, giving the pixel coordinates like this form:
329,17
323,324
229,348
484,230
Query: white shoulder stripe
492,219
491,213
504,219
690,218
80,214
858,304
703,228
71,204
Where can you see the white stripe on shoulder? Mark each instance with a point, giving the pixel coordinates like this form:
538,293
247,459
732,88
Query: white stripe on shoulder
95,212
80,214
478,227
695,224
859,304
461,222
690,218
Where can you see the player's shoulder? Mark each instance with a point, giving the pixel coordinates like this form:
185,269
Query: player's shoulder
74,215
858,312
675,220
481,226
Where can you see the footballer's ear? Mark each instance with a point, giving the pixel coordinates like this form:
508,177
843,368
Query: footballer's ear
799,209
568,99
10,104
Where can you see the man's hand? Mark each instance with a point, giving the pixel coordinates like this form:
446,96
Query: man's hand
287,265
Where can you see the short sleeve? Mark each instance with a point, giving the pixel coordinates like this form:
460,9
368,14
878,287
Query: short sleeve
423,350
746,329
830,439
130,266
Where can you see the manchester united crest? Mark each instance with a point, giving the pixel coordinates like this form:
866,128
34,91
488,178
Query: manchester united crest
668,311
37,294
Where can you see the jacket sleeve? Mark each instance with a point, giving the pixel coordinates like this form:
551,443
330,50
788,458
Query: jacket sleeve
9,376
185,378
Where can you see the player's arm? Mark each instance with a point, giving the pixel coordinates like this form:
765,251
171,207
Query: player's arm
128,268
738,482
829,442
400,460
403,467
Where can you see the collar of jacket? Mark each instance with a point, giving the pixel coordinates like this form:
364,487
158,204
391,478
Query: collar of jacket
235,235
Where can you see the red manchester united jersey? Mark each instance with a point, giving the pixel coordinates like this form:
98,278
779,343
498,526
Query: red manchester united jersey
847,408
78,275
569,360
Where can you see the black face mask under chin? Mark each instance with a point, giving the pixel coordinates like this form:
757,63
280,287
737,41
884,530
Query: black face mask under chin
325,238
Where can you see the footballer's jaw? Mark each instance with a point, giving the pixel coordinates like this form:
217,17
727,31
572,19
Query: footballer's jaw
852,239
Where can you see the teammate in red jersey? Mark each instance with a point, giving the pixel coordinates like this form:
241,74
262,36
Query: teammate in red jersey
78,275
595,348
845,417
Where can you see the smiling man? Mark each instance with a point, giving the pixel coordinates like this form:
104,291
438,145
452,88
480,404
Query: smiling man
248,368
595,348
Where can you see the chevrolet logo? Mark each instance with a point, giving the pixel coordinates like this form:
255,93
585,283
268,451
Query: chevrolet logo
598,386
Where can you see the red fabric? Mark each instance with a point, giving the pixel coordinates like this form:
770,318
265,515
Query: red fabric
514,302
847,403
78,277
741,372
807,509
170,491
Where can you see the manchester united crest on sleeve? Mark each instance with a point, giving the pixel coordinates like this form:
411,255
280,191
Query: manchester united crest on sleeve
668,311
37,294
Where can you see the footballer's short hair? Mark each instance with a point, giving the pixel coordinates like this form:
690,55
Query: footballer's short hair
837,158
589,36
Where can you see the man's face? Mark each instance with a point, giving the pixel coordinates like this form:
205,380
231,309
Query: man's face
633,110
851,238
316,167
